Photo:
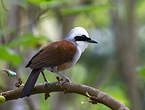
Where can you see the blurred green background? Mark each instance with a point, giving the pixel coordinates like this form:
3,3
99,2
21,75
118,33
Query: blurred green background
116,65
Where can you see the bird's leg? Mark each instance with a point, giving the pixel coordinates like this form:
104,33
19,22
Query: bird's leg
46,81
44,76
59,79
66,79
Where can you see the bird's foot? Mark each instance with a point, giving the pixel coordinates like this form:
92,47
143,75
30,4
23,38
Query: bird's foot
67,80
61,81
46,83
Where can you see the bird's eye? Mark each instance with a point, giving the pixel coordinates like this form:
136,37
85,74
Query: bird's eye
82,38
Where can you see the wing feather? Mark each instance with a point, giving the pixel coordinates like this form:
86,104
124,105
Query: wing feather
54,54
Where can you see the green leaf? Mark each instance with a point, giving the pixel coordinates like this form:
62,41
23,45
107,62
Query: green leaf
9,72
9,55
48,3
2,99
79,73
141,71
51,4
140,11
118,93
37,2
27,40
85,8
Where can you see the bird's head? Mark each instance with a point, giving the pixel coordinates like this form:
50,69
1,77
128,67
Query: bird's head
80,37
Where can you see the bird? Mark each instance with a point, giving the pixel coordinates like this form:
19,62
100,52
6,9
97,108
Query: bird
57,57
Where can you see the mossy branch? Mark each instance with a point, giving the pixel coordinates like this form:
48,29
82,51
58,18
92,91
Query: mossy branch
95,95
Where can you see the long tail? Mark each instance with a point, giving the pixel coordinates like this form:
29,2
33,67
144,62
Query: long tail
30,82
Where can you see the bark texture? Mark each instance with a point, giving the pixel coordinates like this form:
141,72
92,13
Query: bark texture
95,95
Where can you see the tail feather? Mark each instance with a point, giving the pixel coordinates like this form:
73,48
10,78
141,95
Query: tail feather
30,82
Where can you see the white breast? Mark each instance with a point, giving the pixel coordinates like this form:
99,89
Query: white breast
77,55
81,46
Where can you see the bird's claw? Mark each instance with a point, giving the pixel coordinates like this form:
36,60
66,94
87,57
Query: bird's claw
67,80
46,84
61,81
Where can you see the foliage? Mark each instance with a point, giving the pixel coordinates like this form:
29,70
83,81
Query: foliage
141,72
9,55
96,17
85,8
2,99
27,40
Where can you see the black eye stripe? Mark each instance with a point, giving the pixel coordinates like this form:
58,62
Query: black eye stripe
82,38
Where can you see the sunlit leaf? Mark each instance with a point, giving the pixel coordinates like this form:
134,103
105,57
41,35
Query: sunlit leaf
141,71
54,3
82,102
2,99
37,1
9,55
118,93
27,41
85,8
48,3
140,11
79,73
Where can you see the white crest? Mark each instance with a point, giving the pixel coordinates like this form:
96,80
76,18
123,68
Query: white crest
78,31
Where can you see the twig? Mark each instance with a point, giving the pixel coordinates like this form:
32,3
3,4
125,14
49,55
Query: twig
3,5
87,91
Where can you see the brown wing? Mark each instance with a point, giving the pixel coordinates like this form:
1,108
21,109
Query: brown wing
54,54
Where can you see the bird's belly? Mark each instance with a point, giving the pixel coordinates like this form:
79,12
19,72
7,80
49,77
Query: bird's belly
64,66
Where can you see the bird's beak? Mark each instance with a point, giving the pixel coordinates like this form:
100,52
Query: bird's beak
92,41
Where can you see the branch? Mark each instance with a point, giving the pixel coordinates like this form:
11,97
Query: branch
3,5
92,93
